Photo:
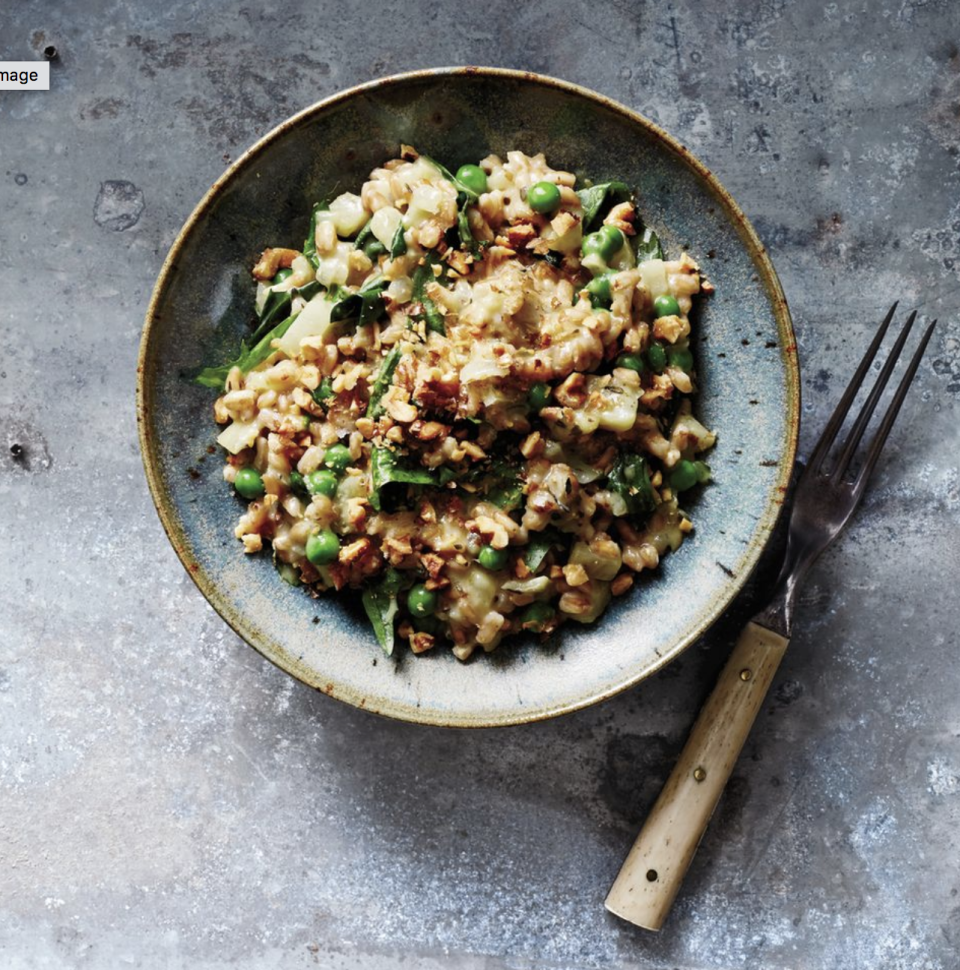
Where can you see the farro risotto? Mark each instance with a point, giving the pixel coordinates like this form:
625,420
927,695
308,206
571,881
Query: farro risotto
468,398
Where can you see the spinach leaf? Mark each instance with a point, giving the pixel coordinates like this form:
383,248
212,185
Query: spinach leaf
277,306
288,573
464,231
380,605
598,200
364,236
462,188
537,548
630,478
398,245
503,486
366,305
386,470
422,275
380,385
646,244
248,358
465,196
310,243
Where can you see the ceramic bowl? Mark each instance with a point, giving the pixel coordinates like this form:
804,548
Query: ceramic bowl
746,358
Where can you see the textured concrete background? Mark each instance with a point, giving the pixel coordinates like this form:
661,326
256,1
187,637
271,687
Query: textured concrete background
168,799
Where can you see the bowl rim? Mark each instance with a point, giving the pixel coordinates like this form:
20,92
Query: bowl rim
765,523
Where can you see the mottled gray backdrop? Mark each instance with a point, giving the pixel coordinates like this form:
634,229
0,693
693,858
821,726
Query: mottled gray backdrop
168,799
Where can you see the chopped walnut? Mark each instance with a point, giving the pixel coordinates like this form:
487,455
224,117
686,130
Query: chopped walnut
575,574
575,603
252,542
623,217
421,642
271,260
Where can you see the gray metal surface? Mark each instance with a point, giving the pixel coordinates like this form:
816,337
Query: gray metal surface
168,799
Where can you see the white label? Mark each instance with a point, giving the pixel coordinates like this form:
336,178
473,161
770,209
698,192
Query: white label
24,76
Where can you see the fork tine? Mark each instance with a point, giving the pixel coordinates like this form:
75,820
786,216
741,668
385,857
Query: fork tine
876,446
837,418
863,418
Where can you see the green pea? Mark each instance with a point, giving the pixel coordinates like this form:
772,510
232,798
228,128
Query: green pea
493,559
248,483
656,357
613,237
422,601
323,547
680,357
337,457
374,249
321,482
593,245
538,395
543,197
602,244
631,362
473,177
599,290
282,274
298,484
666,306
536,616
685,474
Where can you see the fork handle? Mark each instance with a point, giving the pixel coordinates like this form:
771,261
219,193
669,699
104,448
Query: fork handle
651,875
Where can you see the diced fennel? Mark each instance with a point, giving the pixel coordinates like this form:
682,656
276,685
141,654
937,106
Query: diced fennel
349,215
239,435
334,268
313,321
384,224
654,278
598,566
600,595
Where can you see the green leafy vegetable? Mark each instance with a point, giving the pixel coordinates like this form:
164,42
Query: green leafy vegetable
277,306
422,275
310,243
464,231
398,245
366,305
630,478
503,486
462,187
598,200
446,475
288,573
386,470
380,385
248,358
380,604
364,235
465,196
537,548
647,245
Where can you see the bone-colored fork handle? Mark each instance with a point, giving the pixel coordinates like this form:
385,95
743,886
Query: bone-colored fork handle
653,871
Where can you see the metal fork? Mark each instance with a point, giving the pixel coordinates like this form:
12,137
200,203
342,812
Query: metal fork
825,498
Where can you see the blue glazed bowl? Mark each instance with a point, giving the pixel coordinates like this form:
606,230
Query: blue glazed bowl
747,366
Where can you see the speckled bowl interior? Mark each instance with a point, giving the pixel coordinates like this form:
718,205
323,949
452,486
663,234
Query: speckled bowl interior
746,358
